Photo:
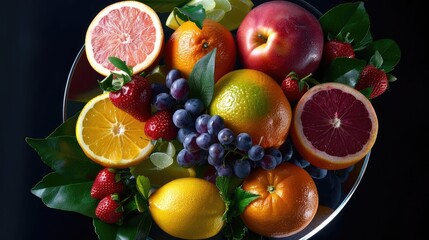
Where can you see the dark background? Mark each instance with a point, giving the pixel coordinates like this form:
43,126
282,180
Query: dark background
40,39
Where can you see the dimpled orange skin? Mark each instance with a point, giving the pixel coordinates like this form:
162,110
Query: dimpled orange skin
288,201
250,101
188,44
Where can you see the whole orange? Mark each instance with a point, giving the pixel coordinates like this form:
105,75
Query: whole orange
188,44
251,101
288,200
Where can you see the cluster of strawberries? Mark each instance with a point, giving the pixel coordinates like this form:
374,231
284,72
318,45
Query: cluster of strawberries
370,77
107,187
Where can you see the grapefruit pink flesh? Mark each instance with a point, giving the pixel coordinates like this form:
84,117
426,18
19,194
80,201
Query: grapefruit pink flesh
128,30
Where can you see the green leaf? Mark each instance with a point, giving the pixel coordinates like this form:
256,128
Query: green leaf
163,6
243,198
121,65
347,19
201,80
136,227
64,155
391,78
344,70
235,230
67,128
68,194
227,185
143,186
196,14
376,60
366,92
389,51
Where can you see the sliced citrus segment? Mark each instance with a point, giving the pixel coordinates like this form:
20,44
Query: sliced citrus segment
161,160
109,136
129,30
334,126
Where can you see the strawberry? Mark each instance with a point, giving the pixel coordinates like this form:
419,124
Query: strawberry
105,184
161,125
335,49
294,88
131,93
372,77
134,98
109,210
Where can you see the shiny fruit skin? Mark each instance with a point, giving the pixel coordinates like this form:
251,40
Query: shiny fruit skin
188,208
278,37
252,102
288,200
188,44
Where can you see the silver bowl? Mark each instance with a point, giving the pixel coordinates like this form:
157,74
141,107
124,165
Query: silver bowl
82,85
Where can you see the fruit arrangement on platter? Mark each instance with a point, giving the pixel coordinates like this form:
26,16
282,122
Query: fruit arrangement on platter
228,120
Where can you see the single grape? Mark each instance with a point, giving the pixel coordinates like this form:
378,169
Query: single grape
185,158
268,162
216,151
276,154
163,101
172,76
182,119
195,106
224,170
242,168
201,123
225,136
181,134
256,152
190,142
179,89
158,88
299,161
215,162
215,124
243,142
204,141
315,172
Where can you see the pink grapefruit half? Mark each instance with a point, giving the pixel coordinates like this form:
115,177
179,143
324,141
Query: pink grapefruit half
334,126
129,30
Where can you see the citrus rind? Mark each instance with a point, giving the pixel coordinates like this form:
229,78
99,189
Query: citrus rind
118,42
318,157
128,147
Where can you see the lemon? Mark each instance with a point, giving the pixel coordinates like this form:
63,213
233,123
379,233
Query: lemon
188,208
110,136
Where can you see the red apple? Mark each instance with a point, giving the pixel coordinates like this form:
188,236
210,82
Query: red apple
278,37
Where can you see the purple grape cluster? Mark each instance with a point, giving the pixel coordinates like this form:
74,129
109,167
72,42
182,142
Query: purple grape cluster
206,140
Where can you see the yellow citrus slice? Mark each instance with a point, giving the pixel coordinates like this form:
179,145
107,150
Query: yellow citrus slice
110,136
129,30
